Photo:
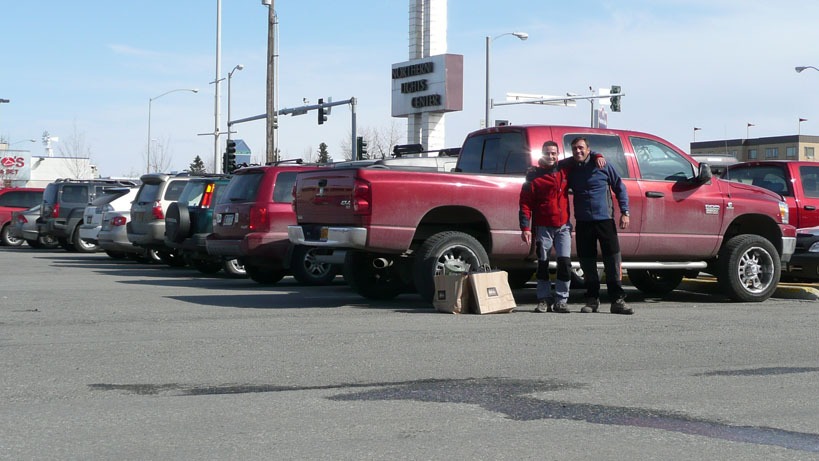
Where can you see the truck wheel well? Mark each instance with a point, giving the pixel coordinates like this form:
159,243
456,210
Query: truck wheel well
454,218
760,225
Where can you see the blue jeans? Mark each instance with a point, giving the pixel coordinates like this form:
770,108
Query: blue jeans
561,239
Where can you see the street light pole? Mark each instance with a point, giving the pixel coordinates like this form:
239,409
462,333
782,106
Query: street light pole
150,101
799,69
489,40
230,75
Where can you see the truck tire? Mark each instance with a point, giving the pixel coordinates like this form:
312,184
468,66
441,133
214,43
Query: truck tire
749,268
81,245
372,282
656,281
440,249
264,275
307,270
234,269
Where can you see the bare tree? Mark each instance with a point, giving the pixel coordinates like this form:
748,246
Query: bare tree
161,156
75,148
380,141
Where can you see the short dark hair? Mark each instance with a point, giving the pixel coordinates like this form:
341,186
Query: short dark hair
580,138
550,144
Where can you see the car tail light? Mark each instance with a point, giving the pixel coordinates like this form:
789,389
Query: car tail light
156,211
21,219
55,211
259,221
118,221
362,197
208,196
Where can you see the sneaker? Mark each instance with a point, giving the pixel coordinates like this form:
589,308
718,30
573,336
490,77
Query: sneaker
561,307
591,306
543,306
618,306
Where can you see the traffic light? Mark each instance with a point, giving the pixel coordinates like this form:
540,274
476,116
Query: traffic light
361,148
230,156
322,112
615,98
275,121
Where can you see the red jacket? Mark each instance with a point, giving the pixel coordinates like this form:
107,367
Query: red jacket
544,198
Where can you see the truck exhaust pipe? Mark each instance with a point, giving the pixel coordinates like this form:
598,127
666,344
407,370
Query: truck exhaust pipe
382,263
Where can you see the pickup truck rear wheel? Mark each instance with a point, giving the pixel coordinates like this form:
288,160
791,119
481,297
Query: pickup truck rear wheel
371,282
443,248
264,275
307,270
655,281
749,268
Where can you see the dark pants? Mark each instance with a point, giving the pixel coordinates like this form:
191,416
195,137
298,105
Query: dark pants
587,235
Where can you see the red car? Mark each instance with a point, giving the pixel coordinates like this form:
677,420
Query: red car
250,223
15,199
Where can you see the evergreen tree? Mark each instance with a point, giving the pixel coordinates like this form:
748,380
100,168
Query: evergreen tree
323,155
197,166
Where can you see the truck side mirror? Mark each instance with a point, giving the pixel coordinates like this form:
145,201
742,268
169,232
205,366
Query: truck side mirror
704,174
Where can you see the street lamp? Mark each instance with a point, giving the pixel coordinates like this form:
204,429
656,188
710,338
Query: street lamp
799,69
230,75
489,40
151,100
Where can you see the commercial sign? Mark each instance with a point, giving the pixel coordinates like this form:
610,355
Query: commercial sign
15,165
433,84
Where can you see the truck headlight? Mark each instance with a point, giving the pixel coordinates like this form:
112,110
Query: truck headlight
784,212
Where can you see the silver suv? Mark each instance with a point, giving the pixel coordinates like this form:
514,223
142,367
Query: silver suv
146,228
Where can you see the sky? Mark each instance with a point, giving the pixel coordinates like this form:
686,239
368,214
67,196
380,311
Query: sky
86,70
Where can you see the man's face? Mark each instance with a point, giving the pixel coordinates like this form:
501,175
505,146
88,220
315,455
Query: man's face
549,157
580,151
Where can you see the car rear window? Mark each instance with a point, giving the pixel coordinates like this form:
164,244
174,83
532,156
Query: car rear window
74,193
283,190
148,193
174,190
242,188
193,192
50,194
20,199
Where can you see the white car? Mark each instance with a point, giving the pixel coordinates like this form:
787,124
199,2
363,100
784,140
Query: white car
117,200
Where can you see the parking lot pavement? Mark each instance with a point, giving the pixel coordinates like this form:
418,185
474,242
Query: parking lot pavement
805,291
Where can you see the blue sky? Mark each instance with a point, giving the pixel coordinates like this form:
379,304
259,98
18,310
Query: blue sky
89,68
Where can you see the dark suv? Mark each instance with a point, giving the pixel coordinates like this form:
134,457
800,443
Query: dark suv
64,202
15,199
189,220
146,229
250,223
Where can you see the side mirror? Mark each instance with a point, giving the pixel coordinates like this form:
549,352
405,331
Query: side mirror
704,174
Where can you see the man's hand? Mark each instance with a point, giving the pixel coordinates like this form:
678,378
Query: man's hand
623,221
601,162
526,236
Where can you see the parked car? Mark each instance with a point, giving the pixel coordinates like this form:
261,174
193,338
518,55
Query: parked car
115,199
64,202
146,228
804,264
15,199
190,220
24,226
250,223
113,238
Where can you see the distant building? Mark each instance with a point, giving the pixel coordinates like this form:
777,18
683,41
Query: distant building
791,147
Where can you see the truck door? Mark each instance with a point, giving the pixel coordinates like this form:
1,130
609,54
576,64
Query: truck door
680,217
808,206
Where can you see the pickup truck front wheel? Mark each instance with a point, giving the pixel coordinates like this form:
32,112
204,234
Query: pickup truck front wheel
443,248
749,268
373,276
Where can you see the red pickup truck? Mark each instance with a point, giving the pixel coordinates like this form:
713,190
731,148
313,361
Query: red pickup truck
796,181
397,228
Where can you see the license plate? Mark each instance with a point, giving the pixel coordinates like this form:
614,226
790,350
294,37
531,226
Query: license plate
324,232
227,219
88,219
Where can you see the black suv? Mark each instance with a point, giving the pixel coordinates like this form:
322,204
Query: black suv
189,220
64,202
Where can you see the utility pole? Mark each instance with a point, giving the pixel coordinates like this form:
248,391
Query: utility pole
217,81
272,155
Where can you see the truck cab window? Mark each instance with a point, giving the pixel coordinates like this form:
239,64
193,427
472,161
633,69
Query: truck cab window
501,153
659,162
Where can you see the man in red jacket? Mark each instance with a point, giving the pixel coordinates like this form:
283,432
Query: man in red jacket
544,209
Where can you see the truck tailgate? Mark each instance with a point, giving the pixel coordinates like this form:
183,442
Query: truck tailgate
325,196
